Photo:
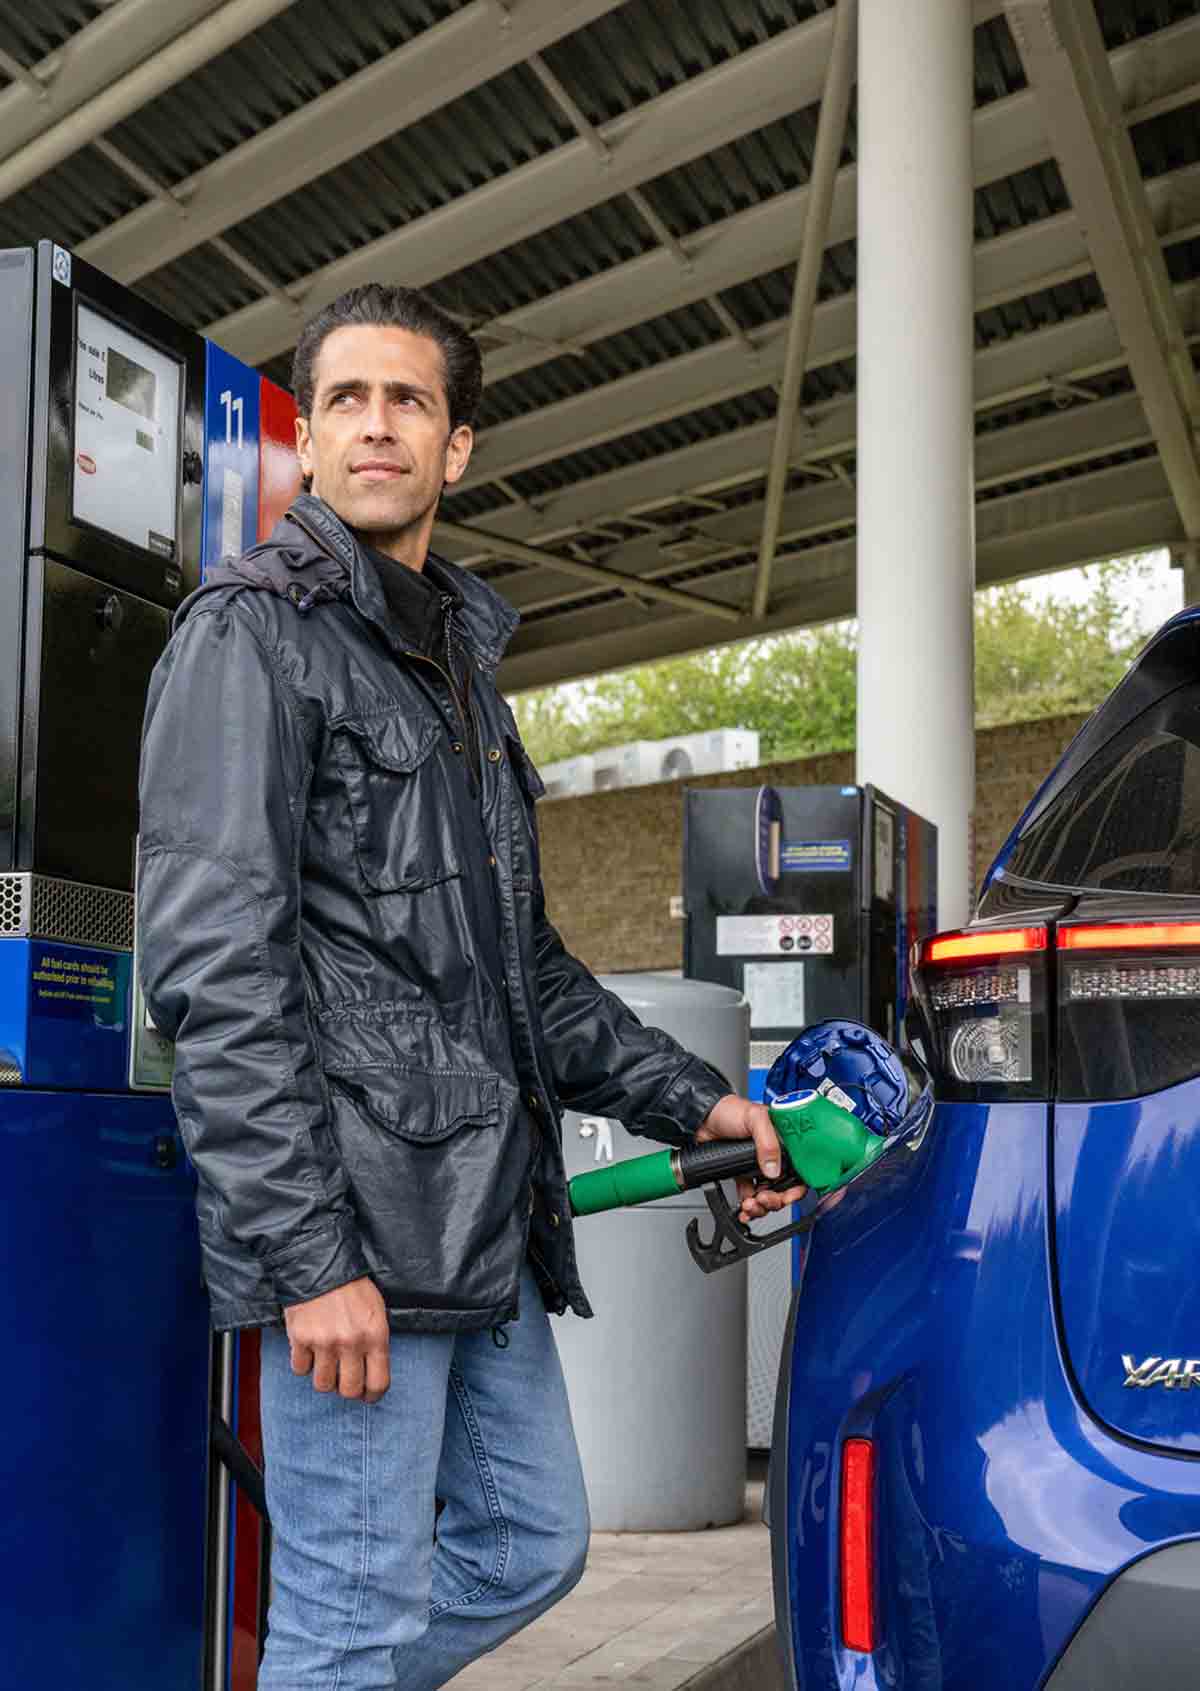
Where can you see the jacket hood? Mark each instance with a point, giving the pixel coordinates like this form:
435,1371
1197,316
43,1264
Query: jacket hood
311,557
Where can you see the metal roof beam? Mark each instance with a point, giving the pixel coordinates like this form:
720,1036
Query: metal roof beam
404,86
763,238
1007,371
1062,50
95,56
831,134
175,56
748,91
1026,449
597,574
1116,511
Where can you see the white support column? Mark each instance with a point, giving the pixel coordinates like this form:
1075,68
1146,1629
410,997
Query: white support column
916,575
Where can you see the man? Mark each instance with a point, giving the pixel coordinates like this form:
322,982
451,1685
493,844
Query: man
342,925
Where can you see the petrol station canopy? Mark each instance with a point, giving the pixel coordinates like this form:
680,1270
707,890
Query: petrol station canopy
613,195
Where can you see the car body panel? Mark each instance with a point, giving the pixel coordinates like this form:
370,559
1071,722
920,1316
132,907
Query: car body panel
1127,1221
925,1320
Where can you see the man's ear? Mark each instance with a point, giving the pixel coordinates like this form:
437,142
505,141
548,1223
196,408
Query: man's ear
458,452
304,447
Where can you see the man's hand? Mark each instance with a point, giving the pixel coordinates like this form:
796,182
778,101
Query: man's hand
737,1118
341,1339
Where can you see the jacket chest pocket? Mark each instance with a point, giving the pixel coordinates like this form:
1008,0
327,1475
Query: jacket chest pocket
400,804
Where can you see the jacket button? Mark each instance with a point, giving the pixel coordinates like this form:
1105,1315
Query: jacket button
554,1220
491,862
534,1105
456,746
493,754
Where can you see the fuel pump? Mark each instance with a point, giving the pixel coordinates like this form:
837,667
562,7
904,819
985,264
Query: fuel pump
103,1419
129,1561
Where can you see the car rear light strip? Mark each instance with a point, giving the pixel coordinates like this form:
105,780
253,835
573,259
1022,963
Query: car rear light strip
857,1546
981,947
1130,936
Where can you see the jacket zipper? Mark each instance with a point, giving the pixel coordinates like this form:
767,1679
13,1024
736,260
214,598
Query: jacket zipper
461,705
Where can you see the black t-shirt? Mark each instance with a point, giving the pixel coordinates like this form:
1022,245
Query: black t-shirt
415,602
421,612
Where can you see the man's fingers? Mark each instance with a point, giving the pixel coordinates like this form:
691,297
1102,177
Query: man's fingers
352,1373
302,1359
766,1141
757,1202
336,1335
325,1369
379,1373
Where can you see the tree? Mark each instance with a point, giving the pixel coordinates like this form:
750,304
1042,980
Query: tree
1036,660
798,690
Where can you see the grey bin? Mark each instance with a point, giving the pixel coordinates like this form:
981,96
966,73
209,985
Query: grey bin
657,1380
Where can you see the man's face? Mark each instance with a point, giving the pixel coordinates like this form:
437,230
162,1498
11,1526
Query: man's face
379,446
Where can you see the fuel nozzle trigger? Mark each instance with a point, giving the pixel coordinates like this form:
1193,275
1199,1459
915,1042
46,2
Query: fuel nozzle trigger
732,1240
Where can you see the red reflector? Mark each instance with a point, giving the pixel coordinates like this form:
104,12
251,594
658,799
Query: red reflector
857,1539
978,947
1129,936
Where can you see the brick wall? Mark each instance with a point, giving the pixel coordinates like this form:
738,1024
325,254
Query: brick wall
611,861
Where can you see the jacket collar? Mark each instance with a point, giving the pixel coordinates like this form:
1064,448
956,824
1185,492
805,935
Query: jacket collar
486,621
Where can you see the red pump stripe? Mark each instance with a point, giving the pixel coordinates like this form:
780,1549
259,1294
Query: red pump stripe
968,947
1129,936
857,1540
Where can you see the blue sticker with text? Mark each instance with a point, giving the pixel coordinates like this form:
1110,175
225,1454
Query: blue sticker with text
803,856
231,457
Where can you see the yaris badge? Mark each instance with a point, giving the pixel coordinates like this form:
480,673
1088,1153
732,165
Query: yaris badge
1157,1371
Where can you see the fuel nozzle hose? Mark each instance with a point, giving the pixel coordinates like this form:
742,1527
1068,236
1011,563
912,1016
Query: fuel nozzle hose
823,1142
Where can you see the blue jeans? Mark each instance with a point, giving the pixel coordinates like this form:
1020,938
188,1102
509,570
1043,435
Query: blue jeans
367,1594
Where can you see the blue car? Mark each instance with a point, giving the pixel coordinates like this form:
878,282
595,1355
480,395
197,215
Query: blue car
986,1466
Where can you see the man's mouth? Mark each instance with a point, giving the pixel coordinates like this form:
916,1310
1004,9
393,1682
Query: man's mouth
378,469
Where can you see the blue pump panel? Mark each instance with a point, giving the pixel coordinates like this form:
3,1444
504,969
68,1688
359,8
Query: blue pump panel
231,427
64,1014
103,1446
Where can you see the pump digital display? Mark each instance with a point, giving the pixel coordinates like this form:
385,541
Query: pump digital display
130,384
127,421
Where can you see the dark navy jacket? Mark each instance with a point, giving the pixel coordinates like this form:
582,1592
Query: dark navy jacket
377,1027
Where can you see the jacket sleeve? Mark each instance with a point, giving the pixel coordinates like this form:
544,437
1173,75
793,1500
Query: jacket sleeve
602,1058
227,758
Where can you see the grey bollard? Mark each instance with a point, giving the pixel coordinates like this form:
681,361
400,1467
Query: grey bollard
657,1380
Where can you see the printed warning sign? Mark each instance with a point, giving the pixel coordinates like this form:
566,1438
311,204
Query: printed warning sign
774,936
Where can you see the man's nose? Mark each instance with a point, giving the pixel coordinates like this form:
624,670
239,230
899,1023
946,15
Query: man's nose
376,420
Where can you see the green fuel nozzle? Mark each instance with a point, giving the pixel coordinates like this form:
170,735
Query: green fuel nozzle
824,1144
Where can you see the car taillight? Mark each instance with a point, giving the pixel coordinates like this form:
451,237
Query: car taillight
1129,1007
857,1544
982,997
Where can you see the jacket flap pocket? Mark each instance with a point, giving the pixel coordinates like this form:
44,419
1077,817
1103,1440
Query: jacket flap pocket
395,740
421,1104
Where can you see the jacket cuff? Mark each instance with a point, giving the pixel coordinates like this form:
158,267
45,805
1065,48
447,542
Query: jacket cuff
315,1263
679,1111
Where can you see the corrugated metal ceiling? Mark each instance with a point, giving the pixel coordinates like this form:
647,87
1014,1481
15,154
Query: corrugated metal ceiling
617,64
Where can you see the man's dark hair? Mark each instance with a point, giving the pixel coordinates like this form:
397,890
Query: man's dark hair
395,308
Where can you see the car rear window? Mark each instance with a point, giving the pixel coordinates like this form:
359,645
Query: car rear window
1129,820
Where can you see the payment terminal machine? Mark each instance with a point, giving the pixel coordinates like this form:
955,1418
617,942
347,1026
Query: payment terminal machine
809,900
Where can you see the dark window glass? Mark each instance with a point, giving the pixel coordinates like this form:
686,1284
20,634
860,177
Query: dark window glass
1129,821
